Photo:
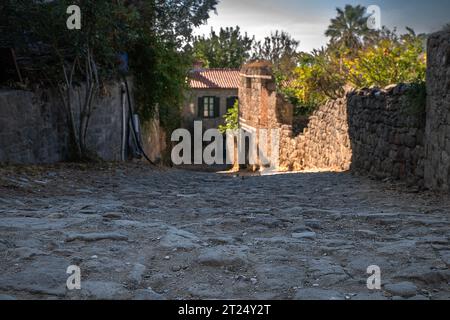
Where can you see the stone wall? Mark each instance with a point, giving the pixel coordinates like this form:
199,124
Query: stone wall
375,132
154,141
324,143
33,127
437,164
261,107
386,131
104,134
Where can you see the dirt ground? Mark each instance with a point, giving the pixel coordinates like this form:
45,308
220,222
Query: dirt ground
140,233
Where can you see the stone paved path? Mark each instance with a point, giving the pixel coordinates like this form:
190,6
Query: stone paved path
145,234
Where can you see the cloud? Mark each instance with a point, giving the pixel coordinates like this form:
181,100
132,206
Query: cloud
307,20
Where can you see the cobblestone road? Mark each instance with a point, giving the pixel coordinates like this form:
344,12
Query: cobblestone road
145,234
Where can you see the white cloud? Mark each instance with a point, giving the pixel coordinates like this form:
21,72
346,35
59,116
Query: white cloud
307,20
259,18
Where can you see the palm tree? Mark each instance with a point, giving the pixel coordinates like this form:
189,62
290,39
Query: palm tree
349,28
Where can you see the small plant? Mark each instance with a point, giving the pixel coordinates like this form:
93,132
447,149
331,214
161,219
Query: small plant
231,119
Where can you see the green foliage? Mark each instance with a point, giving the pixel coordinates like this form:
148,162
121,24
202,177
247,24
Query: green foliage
317,77
355,58
349,28
228,49
176,19
392,60
68,61
279,48
152,32
157,59
231,119
39,28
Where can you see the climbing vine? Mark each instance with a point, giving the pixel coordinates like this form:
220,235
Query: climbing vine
231,119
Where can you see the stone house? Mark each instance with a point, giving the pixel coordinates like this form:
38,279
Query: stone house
212,92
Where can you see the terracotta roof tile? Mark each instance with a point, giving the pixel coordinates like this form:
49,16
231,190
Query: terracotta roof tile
214,79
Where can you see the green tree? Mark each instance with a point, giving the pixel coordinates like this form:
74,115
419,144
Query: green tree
349,29
178,18
395,59
280,48
72,62
158,59
153,32
227,49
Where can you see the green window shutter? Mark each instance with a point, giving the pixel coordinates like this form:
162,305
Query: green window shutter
216,107
201,107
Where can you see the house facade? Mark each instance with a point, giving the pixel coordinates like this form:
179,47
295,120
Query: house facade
212,92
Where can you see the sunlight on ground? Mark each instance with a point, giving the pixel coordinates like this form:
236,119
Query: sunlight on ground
278,172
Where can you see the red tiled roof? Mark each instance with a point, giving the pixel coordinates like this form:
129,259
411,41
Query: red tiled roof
214,79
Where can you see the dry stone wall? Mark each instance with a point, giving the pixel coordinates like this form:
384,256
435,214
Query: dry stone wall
386,131
437,164
324,143
31,128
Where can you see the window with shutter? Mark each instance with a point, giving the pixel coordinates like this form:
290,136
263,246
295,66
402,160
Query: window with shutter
207,107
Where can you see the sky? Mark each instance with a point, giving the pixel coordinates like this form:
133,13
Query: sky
307,20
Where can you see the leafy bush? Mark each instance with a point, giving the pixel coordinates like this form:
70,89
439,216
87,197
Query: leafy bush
317,77
231,119
386,59
390,61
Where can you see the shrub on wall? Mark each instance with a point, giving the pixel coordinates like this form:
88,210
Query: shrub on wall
231,119
390,61
386,59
